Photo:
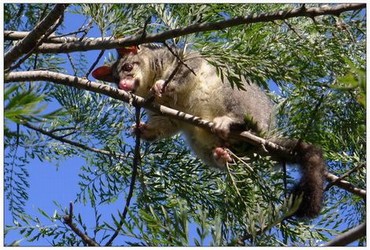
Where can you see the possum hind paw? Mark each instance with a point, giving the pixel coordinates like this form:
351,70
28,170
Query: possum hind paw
145,131
221,156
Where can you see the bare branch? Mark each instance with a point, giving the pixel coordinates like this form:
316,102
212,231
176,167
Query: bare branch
345,185
136,163
13,35
348,237
68,220
342,177
262,144
30,41
108,43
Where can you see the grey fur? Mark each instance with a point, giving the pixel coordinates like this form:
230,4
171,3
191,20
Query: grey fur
196,89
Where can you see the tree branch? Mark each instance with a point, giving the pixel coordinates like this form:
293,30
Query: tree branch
108,43
38,43
136,163
73,143
29,42
342,177
137,101
337,181
14,35
68,221
348,237
261,144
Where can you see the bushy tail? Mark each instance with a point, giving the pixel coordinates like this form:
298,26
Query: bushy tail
311,185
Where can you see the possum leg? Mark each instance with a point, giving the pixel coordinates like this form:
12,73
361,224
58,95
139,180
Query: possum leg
221,128
158,127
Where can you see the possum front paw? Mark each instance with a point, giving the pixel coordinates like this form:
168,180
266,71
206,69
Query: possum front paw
145,131
158,88
221,126
221,156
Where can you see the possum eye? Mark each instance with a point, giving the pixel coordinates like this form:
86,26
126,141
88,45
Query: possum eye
127,67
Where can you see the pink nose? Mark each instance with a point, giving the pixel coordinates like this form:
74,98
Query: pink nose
127,84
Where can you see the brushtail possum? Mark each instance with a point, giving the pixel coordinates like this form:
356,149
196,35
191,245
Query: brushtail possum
191,85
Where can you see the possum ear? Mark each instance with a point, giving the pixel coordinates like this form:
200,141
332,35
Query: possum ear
103,73
128,50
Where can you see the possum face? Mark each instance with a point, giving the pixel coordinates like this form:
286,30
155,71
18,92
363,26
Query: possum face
134,72
131,72
128,73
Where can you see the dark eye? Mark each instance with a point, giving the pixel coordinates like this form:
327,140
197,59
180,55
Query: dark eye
127,67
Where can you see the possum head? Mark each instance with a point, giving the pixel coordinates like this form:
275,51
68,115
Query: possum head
131,72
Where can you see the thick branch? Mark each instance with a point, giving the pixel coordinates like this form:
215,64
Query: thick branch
108,43
30,41
348,237
137,101
14,35
258,142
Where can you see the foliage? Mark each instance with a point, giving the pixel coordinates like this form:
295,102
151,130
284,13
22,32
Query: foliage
314,69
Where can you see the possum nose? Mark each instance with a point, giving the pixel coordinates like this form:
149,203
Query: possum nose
127,84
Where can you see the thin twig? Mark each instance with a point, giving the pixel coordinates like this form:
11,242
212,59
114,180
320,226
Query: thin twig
179,58
168,80
294,31
73,143
95,63
135,165
147,21
71,63
314,115
62,129
179,62
68,220
85,29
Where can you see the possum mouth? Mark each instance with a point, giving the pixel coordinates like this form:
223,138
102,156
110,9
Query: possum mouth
128,83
